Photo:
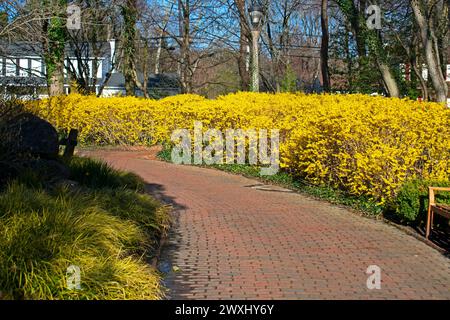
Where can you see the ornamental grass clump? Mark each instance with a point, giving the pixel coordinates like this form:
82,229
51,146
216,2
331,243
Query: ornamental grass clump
108,231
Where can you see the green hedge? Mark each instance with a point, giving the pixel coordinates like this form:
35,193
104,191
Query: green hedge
411,203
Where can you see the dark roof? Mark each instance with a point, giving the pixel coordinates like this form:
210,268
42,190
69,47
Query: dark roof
166,81
20,49
23,81
117,80
23,48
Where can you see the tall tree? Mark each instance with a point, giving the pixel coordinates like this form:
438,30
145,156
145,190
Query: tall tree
54,46
324,46
427,14
128,41
3,19
244,45
184,11
372,39
87,45
194,32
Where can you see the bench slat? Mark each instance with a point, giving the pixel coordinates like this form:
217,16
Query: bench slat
442,210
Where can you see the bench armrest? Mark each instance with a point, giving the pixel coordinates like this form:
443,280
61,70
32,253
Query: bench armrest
432,192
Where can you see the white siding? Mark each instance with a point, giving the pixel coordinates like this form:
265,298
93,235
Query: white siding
110,92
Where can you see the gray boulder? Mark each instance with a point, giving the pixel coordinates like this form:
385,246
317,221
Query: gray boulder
29,134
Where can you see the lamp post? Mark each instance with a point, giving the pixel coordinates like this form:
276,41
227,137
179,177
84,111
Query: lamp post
256,15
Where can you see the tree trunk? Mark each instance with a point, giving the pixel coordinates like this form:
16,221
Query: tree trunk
185,43
416,68
158,55
243,46
429,43
274,65
56,83
324,47
388,80
360,38
143,86
373,40
129,13
54,50
161,41
349,59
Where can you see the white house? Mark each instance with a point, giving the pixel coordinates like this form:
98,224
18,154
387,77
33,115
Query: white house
22,72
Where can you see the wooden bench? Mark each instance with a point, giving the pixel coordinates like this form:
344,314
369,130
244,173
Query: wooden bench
70,142
435,208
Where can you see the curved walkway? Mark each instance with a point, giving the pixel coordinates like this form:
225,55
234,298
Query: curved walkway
237,239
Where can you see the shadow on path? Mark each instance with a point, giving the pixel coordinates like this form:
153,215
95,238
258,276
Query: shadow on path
171,244
159,192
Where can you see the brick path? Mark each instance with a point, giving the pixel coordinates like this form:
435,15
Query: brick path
236,240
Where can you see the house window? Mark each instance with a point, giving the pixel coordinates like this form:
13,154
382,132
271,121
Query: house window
1,67
448,72
11,68
66,67
89,65
86,66
36,67
71,65
99,69
99,64
24,70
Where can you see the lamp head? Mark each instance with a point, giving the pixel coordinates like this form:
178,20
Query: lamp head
256,15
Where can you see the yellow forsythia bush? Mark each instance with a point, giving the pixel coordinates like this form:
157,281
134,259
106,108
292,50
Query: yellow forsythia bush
362,144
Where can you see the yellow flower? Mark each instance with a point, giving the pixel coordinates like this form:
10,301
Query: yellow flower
364,145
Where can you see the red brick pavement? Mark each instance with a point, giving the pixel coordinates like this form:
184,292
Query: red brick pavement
233,240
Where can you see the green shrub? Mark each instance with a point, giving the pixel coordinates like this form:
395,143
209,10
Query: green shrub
411,202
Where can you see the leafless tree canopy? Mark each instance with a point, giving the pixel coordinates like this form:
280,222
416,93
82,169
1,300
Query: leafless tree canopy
307,45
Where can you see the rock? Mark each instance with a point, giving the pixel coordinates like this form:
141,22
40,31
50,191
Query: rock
29,134
50,170
6,173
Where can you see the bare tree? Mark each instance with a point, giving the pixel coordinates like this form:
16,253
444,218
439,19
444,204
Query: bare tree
161,39
128,40
374,42
428,15
244,44
324,46
196,29
88,45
